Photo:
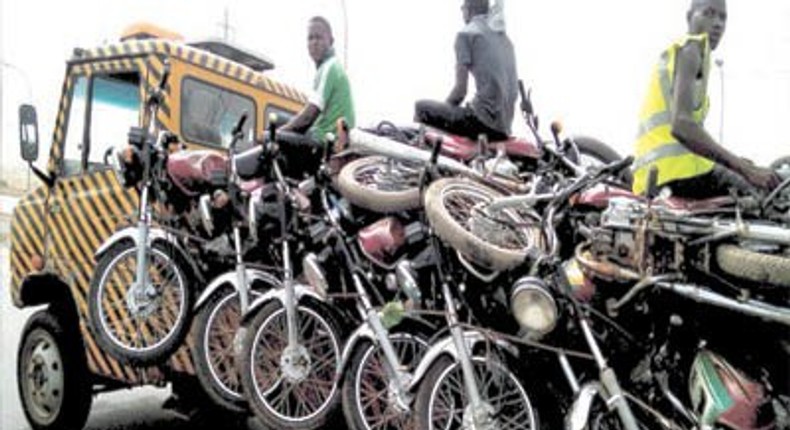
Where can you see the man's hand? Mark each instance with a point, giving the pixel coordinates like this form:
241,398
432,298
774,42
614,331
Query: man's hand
762,178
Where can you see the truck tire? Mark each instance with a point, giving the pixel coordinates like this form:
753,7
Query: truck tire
54,383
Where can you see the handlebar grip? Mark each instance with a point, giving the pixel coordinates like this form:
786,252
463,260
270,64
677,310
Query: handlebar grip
618,166
240,124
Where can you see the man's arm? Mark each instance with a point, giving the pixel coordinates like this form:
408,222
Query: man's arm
302,122
691,134
458,92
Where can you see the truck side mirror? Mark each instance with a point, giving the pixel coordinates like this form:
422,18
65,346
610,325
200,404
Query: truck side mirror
28,132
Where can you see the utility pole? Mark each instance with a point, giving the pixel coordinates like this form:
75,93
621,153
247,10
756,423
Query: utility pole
720,65
345,33
227,29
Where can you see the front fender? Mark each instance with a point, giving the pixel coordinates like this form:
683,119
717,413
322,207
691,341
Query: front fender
446,346
363,332
230,278
579,415
154,235
278,294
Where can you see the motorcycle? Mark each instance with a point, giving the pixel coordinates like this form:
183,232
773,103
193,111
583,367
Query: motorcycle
698,279
387,180
141,293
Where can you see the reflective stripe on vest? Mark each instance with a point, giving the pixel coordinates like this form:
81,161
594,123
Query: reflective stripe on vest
655,145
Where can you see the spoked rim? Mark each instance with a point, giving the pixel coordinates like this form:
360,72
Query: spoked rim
43,378
295,401
388,175
160,311
219,341
374,399
500,389
506,229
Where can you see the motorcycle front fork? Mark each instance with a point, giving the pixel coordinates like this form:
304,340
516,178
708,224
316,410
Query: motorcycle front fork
241,273
141,280
479,409
391,363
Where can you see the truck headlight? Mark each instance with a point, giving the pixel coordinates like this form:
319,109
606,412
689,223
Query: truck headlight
533,306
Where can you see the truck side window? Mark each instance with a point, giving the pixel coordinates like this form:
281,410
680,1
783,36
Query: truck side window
75,131
209,113
115,107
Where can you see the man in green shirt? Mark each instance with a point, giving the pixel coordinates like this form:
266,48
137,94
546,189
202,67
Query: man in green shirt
331,97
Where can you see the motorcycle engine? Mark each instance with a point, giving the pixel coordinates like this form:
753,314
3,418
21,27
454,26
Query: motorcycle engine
636,238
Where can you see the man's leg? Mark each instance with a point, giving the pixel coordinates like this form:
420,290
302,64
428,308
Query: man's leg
718,182
442,115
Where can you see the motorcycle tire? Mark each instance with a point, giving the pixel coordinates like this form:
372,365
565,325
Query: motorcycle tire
780,163
367,182
366,387
598,153
52,373
162,319
213,334
266,379
443,384
754,266
453,221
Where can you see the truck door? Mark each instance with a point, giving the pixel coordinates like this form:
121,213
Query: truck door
87,203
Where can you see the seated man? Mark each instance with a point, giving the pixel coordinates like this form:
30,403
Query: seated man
331,97
488,55
672,138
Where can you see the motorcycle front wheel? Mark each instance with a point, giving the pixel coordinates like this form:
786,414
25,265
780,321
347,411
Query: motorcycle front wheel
381,184
368,402
442,402
140,325
456,209
292,388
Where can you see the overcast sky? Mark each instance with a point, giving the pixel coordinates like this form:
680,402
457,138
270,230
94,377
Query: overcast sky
587,60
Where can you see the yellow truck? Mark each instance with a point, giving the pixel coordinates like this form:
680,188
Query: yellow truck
57,228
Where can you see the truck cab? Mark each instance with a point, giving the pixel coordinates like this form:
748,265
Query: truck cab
57,228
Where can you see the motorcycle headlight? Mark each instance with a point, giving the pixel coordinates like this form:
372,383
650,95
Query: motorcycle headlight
533,306
314,274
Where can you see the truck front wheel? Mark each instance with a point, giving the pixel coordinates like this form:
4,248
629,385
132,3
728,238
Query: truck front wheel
52,374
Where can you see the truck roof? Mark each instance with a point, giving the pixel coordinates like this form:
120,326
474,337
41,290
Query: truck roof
215,55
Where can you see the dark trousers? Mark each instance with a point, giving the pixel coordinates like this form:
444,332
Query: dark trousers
458,120
718,182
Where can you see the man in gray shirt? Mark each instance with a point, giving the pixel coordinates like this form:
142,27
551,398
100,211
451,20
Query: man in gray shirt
488,55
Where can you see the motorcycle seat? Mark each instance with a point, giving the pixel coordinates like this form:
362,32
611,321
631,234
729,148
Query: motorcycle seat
465,149
694,205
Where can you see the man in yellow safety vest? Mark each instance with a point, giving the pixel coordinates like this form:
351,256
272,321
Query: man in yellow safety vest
671,133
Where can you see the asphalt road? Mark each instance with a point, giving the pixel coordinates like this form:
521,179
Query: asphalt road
136,409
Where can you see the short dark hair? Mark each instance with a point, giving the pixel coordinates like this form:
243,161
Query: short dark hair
322,21
476,7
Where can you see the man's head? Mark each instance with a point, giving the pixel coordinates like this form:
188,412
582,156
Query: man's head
472,8
708,16
319,38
